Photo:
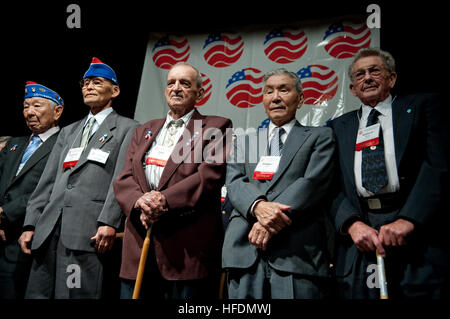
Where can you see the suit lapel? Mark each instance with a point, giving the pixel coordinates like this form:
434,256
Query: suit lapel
42,151
96,141
17,157
171,166
351,127
144,146
402,119
298,135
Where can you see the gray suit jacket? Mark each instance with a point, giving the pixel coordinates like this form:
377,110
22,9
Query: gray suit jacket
83,194
301,181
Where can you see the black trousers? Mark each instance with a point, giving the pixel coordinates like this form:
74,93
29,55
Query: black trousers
409,273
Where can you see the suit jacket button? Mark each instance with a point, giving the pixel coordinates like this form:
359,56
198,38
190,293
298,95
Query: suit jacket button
69,186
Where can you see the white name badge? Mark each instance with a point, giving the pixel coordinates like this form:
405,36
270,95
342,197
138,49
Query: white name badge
158,155
223,194
368,137
266,167
98,155
72,157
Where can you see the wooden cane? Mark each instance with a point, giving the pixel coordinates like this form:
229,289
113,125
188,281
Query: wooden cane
142,262
381,276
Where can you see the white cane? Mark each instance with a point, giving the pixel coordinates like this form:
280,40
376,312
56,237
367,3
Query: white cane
381,276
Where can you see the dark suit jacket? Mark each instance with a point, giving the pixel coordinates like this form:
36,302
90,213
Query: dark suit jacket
188,238
301,181
16,190
422,169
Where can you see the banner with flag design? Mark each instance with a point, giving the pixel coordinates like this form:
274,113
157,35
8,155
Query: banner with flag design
233,63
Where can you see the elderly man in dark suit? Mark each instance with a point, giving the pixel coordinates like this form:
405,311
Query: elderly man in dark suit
174,170
276,242
22,162
393,175
72,216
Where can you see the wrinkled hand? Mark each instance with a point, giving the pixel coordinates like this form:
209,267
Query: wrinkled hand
365,237
104,238
395,233
259,236
2,235
24,240
271,215
152,205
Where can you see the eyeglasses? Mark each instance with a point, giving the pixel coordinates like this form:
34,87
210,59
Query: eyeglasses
97,82
374,71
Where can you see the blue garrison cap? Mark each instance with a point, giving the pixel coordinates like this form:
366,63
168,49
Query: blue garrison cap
98,68
33,89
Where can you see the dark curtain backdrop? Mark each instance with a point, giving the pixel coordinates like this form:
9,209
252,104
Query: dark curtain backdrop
36,44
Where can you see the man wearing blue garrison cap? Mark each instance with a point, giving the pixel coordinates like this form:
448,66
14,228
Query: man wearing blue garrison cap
72,217
22,162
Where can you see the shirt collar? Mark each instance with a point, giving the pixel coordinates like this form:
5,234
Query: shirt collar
100,116
287,127
44,136
384,107
186,117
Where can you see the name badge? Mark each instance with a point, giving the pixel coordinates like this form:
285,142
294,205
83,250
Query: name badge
158,155
98,155
72,157
368,136
223,193
266,167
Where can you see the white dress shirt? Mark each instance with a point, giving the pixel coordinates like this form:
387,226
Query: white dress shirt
99,118
287,129
385,119
154,172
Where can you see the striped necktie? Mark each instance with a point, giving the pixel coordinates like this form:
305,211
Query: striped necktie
86,132
276,144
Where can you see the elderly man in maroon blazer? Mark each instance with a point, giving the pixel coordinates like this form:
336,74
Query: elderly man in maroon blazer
173,173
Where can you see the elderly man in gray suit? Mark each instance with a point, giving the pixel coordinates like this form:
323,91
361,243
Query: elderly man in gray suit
276,242
72,216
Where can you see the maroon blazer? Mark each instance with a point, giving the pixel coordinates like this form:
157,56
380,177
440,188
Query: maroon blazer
188,238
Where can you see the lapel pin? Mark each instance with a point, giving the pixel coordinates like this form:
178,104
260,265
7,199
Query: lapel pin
102,139
408,110
191,140
13,148
148,135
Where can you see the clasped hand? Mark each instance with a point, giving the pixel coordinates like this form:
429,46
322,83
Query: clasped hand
271,219
151,205
367,238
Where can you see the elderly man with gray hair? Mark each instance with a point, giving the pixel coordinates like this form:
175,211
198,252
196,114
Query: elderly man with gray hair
389,196
276,243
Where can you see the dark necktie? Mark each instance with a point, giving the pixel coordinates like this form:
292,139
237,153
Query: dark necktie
276,145
373,166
